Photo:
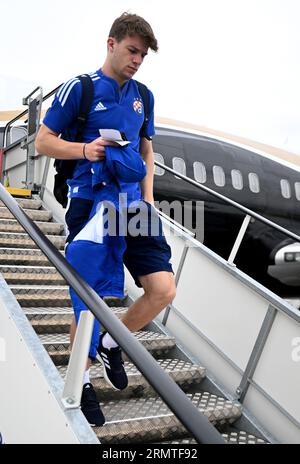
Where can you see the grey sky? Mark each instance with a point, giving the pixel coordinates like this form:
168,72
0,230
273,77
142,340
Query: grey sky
230,65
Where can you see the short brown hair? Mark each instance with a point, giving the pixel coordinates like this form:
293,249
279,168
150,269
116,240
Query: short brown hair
132,24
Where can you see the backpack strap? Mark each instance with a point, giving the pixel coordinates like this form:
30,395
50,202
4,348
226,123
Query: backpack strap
144,92
87,97
65,168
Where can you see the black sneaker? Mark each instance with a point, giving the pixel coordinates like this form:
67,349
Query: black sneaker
90,406
114,372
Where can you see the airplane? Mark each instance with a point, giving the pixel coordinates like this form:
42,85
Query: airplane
259,177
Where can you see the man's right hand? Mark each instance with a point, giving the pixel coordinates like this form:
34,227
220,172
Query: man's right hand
95,150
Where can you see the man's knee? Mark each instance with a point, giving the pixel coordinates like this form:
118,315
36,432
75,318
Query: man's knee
167,296
163,291
171,292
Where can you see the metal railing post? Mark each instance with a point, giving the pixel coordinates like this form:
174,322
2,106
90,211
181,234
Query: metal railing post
77,364
181,176
177,277
239,239
256,353
34,113
44,178
187,413
1,164
230,202
24,113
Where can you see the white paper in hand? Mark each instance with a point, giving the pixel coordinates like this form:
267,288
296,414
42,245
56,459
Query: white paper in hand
113,135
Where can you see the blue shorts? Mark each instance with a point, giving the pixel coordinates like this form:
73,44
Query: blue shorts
146,252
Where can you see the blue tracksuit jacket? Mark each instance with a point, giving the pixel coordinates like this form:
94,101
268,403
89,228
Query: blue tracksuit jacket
97,251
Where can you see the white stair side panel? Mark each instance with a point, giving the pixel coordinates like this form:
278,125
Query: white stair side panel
31,410
278,374
226,311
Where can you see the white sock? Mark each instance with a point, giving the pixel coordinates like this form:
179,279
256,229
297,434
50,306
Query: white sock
86,377
108,342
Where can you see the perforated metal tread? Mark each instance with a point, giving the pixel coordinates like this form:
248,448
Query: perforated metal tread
14,278
23,256
49,320
42,292
22,240
51,323
34,275
233,438
183,373
35,215
46,311
157,340
243,438
27,203
39,295
149,419
58,345
51,228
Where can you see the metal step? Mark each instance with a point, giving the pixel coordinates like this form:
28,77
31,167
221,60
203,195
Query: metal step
27,203
35,215
23,256
22,240
51,228
29,295
183,373
135,414
46,295
51,323
46,320
243,438
145,420
233,438
58,345
35,275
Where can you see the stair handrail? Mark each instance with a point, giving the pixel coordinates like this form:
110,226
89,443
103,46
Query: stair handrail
24,113
249,213
233,203
187,413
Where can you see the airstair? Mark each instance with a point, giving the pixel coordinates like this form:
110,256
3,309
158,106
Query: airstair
135,415
226,341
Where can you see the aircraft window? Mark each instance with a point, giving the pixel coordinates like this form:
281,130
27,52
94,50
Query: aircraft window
199,172
179,166
237,179
285,188
297,190
157,170
219,176
253,182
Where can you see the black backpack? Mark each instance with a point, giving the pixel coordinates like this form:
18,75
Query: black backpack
65,168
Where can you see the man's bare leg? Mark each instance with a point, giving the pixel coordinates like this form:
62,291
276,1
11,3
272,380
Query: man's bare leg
160,290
